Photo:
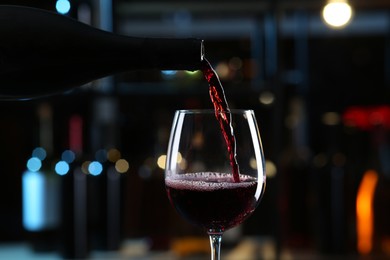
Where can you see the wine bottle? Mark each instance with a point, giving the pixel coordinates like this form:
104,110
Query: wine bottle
41,195
43,53
74,242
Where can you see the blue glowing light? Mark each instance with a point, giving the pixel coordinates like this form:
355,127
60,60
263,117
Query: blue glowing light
68,156
39,153
34,164
33,200
95,168
63,6
61,168
101,155
168,74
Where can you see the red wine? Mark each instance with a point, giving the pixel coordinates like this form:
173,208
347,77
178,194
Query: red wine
222,114
213,200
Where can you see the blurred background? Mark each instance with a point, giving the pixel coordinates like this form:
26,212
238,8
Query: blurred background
82,172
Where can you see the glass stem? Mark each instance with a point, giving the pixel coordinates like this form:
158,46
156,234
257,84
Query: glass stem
215,244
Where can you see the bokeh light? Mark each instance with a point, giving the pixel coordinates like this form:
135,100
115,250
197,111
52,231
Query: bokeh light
222,69
331,118
61,168
161,161
39,153
122,166
85,166
337,13
113,155
253,163
183,164
320,160
95,168
235,63
270,169
168,74
63,6
145,171
68,156
101,155
34,164
179,157
267,98
194,73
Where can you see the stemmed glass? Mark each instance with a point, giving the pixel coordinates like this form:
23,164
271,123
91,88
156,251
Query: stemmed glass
199,177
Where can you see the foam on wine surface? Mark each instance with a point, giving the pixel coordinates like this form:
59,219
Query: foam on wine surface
208,181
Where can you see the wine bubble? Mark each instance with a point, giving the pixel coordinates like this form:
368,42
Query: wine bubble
208,181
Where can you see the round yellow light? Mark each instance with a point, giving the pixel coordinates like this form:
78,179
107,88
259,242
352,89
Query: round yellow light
271,169
161,161
122,166
113,155
84,167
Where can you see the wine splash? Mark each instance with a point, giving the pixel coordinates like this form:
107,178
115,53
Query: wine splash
222,114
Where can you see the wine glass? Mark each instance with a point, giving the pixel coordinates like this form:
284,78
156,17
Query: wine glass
215,170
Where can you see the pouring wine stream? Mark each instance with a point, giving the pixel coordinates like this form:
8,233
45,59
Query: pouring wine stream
222,113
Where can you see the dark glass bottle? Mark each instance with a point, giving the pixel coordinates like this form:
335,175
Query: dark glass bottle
74,242
42,53
41,195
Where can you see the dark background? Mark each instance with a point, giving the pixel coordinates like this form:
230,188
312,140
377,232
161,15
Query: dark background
309,69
